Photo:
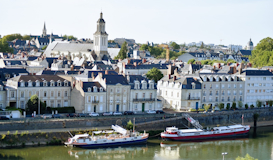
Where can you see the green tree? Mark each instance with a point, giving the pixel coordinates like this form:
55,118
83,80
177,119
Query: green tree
129,125
252,106
191,61
258,103
11,37
175,45
240,104
44,47
26,37
206,107
247,157
270,103
32,105
233,105
202,45
262,55
246,106
69,37
221,106
144,47
228,106
4,46
122,54
154,74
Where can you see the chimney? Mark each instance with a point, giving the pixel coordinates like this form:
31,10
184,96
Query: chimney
219,65
169,76
228,64
214,67
143,60
135,64
250,64
237,64
72,67
240,70
81,83
79,72
129,61
234,70
106,72
174,78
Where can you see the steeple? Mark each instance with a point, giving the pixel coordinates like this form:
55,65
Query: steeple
44,30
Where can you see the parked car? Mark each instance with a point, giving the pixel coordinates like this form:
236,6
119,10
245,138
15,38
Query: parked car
4,118
160,112
72,115
128,113
117,113
151,112
107,113
56,116
46,116
82,115
93,114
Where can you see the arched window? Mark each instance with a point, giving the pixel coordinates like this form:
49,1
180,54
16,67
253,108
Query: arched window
30,83
52,83
89,89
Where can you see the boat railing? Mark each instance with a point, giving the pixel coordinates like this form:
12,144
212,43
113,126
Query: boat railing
192,121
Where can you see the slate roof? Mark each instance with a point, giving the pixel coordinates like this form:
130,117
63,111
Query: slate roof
73,47
257,72
43,40
86,85
115,79
147,66
187,84
12,72
49,72
133,78
50,60
245,52
95,73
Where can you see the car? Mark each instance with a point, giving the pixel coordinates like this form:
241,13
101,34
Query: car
82,115
128,113
72,115
117,113
4,118
93,114
46,116
160,112
107,113
151,112
56,116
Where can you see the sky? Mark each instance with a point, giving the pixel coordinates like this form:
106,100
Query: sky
158,21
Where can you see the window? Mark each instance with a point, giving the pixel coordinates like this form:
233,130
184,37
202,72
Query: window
204,86
204,99
216,93
177,94
95,89
223,86
22,104
65,83
247,85
29,83
59,103
228,85
166,93
234,98
52,103
45,83
44,93
59,93
111,90
29,94
136,95
223,98
22,94
264,78
228,98
89,99
65,93
241,86
210,86
234,85
37,93
234,92
210,93
151,95
241,98
171,93
89,89
216,99
247,91
223,92
101,89
52,83
12,94
52,93
204,93
216,85
143,95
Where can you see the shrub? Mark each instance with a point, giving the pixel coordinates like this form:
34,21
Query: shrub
240,104
15,134
246,106
221,106
228,107
206,107
252,106
3,136
201,110
129,125
270,103
192,110
8,132
233,105
258,103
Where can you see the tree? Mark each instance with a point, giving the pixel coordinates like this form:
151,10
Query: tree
246,106
221,106
270,103
262,55
240,104
26,37
247,157
70,37
32,105
252,106
202,45
233,105
191,61
4,46
154,74
44,47
143,47
175,45
129,125
122,54
258,103
206,107
228,106
11,37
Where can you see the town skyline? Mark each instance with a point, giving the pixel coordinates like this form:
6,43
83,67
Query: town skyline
145,23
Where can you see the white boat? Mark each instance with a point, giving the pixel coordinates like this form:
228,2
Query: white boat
124,137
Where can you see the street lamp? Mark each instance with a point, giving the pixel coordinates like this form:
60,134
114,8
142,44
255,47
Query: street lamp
224,153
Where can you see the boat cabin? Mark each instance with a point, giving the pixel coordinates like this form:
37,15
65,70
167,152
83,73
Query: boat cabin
171,130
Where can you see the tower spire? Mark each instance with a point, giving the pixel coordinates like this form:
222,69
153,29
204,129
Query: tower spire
101,15
44,30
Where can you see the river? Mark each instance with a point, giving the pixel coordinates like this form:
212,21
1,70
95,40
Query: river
259,146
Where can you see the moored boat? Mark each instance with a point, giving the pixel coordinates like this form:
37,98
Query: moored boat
108,139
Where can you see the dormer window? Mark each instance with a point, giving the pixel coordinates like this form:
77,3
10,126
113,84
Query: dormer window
65,83
44,83
137,84
95,89
37,83
52,83
144,84
151,84
22,83
89,89
1,88
59,83
101,89
30,83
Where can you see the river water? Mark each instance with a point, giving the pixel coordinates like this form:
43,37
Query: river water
259,145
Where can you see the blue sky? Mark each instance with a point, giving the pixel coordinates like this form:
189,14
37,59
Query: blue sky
233,21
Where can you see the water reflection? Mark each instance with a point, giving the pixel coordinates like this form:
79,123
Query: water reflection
108,153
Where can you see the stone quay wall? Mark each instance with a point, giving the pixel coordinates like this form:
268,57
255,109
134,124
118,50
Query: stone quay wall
143,122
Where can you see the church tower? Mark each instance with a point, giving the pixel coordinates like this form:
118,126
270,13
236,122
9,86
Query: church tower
44,31
250,45
101,40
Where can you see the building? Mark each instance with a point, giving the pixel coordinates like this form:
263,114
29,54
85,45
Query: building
179,92
221,88
88,97
53,90
143,94
250,45
258,86
235,48
3,95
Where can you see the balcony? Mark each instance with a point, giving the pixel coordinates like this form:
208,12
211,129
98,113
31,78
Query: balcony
193,98
143,99
95,101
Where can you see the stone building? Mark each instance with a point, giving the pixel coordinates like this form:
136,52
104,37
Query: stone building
51,89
